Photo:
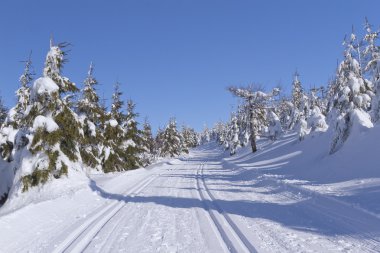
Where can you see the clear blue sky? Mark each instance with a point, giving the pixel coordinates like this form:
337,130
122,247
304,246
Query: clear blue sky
175,58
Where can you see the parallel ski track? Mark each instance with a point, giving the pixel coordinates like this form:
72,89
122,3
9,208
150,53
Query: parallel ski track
226,227
80,238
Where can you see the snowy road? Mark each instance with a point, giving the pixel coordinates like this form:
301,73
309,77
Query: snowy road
201,203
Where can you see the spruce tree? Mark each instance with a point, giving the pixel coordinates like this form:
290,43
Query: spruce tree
3,112
234,134
113,153
54,127
90,113
171,145
133,141
148,144
351,95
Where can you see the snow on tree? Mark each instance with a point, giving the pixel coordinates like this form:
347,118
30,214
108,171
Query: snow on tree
55,59
23,96
133,141
351,96
205,135
148,144
189,136
171,140
90,114
371,57
45,144
3,112
113,153
274,128
234,133
298,102
257,104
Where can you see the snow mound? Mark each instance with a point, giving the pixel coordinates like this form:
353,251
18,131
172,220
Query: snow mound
44,122
44,85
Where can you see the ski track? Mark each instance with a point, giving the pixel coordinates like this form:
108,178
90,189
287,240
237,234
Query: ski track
231,234
80,238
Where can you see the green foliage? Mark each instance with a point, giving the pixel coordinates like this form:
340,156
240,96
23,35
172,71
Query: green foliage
37,177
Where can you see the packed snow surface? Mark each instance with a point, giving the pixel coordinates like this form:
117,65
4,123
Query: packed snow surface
290,196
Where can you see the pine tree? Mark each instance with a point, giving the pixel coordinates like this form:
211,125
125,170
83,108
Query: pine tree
148,144
371,57
256,103
171,145
3,112
351,95
190,139
133,141
23,95
54,127
234,133
55,60
298,101
113,153
90,113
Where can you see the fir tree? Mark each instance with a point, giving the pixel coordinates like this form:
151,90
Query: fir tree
90,113
113,153
54,127
351,95
148,144
3,112
171,145
133,141
234,133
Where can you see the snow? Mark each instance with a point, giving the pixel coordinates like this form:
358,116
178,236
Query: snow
45,122
43,85
113,123
289,196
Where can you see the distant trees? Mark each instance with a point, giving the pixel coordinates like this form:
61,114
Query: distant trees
351,99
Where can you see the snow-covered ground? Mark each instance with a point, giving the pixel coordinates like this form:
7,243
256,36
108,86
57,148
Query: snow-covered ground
287,197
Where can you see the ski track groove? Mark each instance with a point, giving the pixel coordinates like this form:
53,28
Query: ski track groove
91,227
228,224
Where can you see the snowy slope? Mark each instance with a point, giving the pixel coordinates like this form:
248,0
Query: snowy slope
290,196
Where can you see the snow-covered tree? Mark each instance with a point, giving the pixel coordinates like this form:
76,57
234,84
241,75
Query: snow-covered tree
3,112
133,143
171,140
91,114
190,137
23,96
55,60
234,134
113,154
54,129
274,125
299,102
257,105
148,144
371,58
351,97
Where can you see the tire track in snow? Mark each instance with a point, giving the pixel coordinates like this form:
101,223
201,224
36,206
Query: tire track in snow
230,233
81,237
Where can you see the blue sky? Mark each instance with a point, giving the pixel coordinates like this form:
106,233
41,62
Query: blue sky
176,58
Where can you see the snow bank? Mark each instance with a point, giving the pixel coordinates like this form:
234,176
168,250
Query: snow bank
44,122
